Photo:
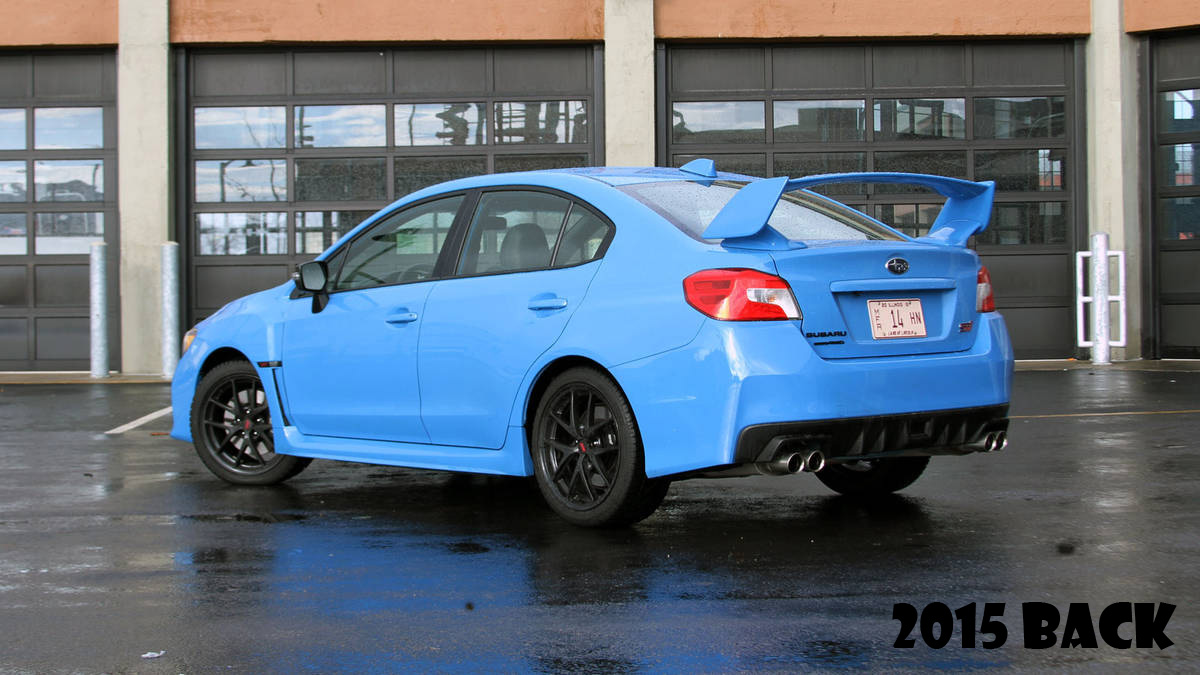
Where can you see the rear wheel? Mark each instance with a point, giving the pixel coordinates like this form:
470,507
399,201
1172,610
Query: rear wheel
587,453
870,477
231,428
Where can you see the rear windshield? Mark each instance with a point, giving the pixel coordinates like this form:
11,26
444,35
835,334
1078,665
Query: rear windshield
798,216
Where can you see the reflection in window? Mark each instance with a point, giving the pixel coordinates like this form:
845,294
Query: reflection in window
317,230
69,180
440,124
747,165
241,127
798,121
340,126
241,180
68,128
582,237
920,118
12,128
719,122
12,234
12,182
1026,223
400,248
513,230
1179,219
1178,111
242,233
506,163
1021,170
414,173
796,165
67,233
354,179
1020,117
1178,164
941,163
911,219
541,122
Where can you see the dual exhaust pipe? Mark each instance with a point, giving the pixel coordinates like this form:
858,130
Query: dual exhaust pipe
995,442
811,461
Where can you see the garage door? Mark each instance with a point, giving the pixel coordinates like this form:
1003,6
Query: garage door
290,149
995,111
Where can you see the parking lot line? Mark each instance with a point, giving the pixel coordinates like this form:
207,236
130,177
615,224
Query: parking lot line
139,421
1106,414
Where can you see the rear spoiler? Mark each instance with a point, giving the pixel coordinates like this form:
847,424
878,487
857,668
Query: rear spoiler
743,220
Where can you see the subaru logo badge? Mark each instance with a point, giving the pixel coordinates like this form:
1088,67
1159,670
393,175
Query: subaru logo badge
897,265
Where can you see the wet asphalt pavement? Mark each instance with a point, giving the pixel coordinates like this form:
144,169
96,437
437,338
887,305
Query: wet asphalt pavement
112,547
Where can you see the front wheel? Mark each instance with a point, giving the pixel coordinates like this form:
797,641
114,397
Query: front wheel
587,453
873,477
231,428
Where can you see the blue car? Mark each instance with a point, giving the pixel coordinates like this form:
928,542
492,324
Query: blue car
609,331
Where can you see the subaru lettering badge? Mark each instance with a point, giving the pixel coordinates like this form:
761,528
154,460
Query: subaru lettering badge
897,265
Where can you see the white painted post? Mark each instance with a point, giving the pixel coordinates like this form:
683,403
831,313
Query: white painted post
98,322
1100,293
170,308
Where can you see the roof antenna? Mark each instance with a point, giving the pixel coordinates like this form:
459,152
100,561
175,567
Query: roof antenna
700,167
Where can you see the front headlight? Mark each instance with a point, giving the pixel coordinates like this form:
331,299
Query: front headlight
187,340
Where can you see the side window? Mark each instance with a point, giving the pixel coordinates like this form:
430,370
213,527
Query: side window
513,230
402,247
582,237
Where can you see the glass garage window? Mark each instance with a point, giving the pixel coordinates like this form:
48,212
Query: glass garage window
69,180
341,179
341,126
942,163
920,119
911,219
1178,164
718,122
440,124
241,180
67,233
241,233
811,163
12,128
13,234
12,182
1038,170
1179,111
1179,219
241,127
318,230
68,128
745,164
539,122
538,162
1026,223
806,121
1011,117
414,173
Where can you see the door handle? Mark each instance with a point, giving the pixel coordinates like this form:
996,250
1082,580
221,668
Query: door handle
548,303
402,317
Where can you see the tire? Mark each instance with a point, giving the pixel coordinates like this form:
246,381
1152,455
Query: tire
587,453
869,478
231,428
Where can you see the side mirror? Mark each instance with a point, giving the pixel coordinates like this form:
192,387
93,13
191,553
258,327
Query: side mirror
314,274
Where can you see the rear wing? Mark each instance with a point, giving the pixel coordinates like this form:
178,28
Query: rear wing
743,220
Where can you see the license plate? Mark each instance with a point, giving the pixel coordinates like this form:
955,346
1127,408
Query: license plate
896,319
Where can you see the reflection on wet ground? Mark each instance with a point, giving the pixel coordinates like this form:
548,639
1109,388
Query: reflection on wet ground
114,547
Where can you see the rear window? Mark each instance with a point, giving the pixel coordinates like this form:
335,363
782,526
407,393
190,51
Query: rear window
798,216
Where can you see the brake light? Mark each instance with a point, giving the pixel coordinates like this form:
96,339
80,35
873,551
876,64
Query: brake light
985,301
741,295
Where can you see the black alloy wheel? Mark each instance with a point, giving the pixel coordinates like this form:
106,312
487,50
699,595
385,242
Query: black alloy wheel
587,453
231,428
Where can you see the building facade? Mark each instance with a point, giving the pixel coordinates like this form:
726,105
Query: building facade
255,132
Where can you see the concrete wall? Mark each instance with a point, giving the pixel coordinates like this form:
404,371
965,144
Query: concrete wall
629,82
1145,15
254,21
682,19
58,22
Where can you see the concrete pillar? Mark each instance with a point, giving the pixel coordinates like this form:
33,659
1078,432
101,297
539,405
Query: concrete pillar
629,82
144,160
1113,179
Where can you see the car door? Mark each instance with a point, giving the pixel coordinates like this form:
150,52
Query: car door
350,370
508,303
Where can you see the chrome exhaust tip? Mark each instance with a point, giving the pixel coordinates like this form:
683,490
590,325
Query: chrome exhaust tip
1001,441
814,461
989,443
783,465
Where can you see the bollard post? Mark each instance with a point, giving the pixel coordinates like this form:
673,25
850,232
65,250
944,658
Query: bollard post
98,321
1100,293
170,308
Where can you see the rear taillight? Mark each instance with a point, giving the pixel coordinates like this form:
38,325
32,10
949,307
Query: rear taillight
985,301
741,295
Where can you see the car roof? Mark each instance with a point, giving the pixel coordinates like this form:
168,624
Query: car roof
612,176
